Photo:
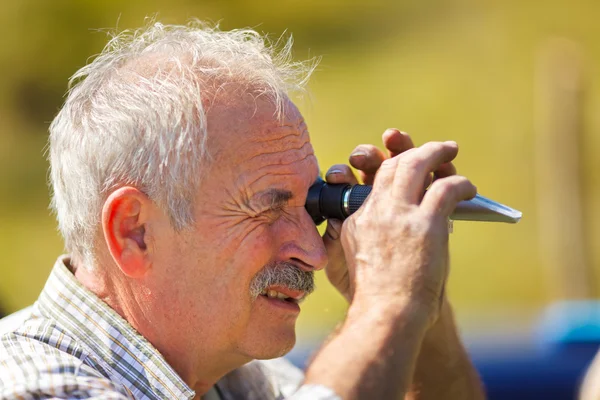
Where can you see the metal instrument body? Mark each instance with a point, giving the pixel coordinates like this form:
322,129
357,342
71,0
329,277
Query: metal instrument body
339,201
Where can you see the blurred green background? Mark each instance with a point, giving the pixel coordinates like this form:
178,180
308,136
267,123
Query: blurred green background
440,70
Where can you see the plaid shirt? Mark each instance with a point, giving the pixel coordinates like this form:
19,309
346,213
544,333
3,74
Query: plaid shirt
71,345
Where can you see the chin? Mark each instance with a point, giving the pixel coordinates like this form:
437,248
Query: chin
265,345
280,351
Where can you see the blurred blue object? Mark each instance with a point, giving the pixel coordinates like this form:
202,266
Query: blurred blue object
552,363
571,322
548,365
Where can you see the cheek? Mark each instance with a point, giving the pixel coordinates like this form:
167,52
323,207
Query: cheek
257,248
237,255
227,259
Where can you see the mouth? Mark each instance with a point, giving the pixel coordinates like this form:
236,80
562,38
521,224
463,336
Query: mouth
283,294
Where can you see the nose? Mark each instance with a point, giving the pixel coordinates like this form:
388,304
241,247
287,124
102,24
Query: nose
301,242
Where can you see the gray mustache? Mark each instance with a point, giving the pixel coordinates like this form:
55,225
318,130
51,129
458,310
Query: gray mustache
283,274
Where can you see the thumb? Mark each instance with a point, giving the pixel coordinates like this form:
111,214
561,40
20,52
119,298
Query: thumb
336,270
333,231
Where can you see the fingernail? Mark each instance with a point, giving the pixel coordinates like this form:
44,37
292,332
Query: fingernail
358,153
451,143
334,171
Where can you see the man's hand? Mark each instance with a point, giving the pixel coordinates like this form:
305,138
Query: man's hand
396,245
396,252
367,159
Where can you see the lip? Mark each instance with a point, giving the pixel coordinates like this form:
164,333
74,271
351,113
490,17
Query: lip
283,305
294,294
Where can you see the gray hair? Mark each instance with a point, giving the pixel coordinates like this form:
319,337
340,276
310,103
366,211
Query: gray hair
135,116
283,274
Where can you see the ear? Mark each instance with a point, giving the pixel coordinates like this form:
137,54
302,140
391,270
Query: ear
124,219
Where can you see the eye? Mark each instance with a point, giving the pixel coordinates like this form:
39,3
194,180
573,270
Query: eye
270,203
273,210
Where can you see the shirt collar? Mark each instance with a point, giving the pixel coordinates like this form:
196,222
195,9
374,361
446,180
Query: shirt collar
115,344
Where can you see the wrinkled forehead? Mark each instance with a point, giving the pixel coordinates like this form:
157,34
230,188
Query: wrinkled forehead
260,148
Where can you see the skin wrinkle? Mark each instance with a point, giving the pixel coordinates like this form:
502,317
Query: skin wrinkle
247,209
298,129
258,205
279,164
276,165
303,130
261,218
278,173
269,154
276,198
268,172
273,170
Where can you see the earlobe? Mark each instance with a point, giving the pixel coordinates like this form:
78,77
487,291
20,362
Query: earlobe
124,220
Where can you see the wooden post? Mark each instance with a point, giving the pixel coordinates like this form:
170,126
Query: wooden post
558,142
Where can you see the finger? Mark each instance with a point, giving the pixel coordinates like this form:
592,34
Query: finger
414,165
340,173
367,159
445,193
447,169
396,141
333,231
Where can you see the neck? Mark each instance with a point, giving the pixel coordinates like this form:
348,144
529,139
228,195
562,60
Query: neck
206,369
200,373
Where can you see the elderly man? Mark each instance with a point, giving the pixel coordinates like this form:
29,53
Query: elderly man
180,170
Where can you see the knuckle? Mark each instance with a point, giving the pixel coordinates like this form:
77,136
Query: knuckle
434,147
453,186
462,183
444,186
416,227
412,164
388,165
